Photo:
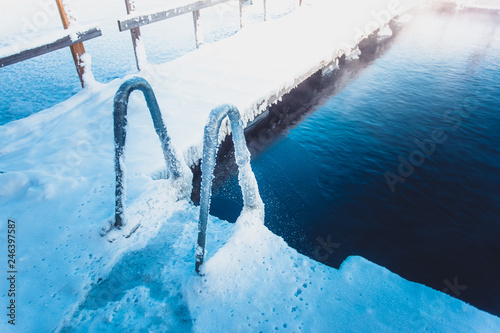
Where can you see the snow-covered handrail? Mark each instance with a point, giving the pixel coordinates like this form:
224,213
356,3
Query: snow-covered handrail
73,37
120,123
138,19
248,183
15,53
134,20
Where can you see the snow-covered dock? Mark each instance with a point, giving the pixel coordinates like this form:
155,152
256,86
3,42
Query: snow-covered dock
57,185
256,67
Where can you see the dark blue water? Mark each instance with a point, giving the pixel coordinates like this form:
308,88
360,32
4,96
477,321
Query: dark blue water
402,166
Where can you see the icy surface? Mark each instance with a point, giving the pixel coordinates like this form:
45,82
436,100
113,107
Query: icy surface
255,282
288,291
57,183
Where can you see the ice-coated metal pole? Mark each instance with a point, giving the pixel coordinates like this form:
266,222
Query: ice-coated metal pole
248,184
120,133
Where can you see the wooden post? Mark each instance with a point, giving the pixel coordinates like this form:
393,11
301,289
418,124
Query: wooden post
77,50
198,34
135,33
241,13
265,10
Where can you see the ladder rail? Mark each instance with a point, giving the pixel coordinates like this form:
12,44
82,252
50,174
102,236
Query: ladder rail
248,183
120,132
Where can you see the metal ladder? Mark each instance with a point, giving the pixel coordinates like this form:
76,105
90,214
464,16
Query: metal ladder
248,183
120,131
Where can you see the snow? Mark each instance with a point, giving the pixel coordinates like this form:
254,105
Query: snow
69,10
57,183
385,32
291,292
255,282
140,52
88,76
252,202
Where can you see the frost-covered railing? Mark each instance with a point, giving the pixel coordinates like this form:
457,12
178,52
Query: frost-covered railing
134,20
248,183
61,40
73,36
120,124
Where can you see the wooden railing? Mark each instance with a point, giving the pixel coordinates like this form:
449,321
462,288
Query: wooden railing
68,40
133,22
50,47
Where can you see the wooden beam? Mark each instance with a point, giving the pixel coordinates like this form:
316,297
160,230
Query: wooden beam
241,13
77,50
198,33
135,33
136,21
265,10
46,48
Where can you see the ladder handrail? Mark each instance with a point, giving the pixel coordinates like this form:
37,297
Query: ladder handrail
120,122
248,183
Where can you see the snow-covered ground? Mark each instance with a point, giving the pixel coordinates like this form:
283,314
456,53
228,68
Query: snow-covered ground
57,184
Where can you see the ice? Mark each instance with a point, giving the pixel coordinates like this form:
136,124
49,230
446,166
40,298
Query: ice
255,282
57,183
175,168
70,13
136,310
291,292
